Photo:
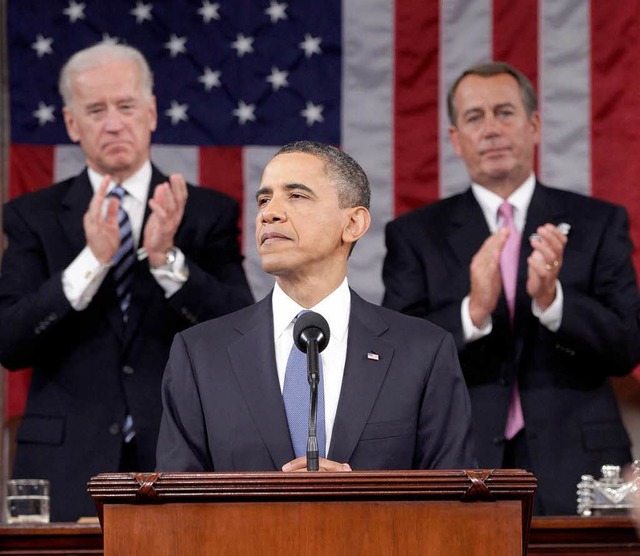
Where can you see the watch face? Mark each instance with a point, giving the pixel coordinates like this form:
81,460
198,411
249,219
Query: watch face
171,256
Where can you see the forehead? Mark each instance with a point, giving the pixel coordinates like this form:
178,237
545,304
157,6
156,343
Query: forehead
119,77
288,168
475,91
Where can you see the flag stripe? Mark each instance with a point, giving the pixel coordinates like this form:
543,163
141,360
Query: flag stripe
615,65
29,168
465,39
416,105
565,147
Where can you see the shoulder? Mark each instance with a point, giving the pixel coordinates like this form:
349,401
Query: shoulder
432,214
397,325
47,199
579,203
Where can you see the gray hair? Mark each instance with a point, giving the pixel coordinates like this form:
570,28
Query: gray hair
97,55
490,69
347,175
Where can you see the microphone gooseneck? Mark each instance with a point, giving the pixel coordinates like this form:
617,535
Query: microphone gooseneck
311,336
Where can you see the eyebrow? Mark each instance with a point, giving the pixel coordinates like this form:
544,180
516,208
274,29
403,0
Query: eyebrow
288,187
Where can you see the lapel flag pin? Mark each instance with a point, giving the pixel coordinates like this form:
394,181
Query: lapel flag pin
373,356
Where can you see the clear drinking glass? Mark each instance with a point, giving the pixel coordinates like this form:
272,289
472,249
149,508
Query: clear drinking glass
28,501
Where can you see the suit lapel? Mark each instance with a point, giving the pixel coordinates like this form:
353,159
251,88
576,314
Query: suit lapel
253,360
468,228
363,377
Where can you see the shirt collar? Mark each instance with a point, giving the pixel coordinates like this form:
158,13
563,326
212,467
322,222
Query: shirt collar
335,308
136,185
520,199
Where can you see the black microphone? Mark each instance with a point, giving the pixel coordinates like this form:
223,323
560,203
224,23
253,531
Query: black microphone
311,336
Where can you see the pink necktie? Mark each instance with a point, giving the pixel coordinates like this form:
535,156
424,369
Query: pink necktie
509,270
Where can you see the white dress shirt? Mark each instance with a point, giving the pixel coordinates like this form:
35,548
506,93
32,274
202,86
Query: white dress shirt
336,308
489,202
84,276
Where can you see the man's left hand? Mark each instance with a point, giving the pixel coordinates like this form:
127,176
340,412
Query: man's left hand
544,264
300,465
167,209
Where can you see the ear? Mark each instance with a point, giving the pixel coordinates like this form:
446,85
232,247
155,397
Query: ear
359,220
534,120
455,140
70,123
153,114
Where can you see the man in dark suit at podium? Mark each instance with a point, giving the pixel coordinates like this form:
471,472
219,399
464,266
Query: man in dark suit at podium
76,304
392,393
536,285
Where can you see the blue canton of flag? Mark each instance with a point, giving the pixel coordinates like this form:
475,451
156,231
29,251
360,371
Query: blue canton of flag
235,72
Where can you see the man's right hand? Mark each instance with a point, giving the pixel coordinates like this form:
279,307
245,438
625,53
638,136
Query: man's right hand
102,234
486,283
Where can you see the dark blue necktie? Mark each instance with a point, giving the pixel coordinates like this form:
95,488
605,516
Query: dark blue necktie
297,401
125,256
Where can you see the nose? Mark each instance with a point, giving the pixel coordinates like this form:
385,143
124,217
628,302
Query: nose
113,121
273,210
491,126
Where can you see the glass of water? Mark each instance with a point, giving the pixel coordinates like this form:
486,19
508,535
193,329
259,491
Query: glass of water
28,501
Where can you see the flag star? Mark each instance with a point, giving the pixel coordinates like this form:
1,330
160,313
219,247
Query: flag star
142,12
242,45
278,78
42,45
176,45
44,113
310,45
209,11
74,11
177,112
244,112
313,113
108,39
210,78
276,11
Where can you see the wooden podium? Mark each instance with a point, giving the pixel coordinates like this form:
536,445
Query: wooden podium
395,512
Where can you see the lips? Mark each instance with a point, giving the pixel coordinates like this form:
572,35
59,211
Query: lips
272,237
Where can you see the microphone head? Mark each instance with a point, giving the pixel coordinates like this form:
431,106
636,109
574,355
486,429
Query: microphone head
311,326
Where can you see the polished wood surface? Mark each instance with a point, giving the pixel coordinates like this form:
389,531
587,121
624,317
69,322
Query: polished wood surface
566,536
469,513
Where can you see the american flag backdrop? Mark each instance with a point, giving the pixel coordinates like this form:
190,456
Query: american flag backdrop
237,78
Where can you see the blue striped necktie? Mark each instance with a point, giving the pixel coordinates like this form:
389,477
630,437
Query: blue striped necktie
297,402
125,256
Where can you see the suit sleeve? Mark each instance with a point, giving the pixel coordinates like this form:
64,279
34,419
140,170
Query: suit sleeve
444,428
182,444
32,302
217,284
602,325
406,288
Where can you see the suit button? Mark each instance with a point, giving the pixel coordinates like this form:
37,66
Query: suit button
504,382
114,429
127,370
497,440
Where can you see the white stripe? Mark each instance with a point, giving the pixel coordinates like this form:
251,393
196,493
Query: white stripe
465,39
254,161
367,126
68,160
177,159
565,79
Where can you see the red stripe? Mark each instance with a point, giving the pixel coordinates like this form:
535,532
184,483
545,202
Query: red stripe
416,122
615,108
30,168
221,168
515,36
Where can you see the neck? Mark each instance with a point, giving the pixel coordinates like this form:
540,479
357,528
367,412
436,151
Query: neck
308,292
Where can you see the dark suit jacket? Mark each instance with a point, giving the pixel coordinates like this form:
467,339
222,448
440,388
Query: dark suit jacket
87,371
223,409
572,421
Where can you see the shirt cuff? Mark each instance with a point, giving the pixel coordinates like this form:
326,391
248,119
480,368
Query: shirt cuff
470,331
171,277
82,279
551,317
